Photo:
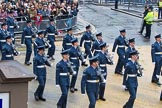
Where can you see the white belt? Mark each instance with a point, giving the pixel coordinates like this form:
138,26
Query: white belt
121,46
87,40
9,55
64,74
98,50
129,58
11,26
68,43
102,65
74,58
93,81
2,40
51,34
41,66
132,75
28,36
158,53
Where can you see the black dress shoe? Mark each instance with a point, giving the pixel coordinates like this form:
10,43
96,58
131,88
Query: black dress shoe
120,73
160,98
103,99
42,99
84,64
75,89
72,90
158,83
52,58
28,63
36,97
124,106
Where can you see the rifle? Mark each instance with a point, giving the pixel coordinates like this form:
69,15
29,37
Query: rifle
81,54
140,68
47,44
99,73
109,58
47,62
71,68
16,53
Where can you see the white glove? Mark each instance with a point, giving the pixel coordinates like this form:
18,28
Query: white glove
22,45
124,87
104,81
57,85
74,73
83,94
19,53
49,46
153,63
18,26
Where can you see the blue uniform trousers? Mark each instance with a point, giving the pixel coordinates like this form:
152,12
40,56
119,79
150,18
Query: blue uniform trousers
41,86
88,51
121,63
74,78
51,51
28,52
132,91
63,99
92,98
102,88
157,70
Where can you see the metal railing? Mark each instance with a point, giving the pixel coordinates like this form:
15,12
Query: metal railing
132,2
61,22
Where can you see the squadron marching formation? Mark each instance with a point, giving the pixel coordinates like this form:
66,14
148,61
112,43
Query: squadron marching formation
94,77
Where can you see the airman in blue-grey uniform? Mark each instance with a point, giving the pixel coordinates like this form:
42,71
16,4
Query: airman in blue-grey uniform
3,34
130,48
130,77
87,38
120,42
63,78
90,81
11,23
95,47
27,39
51,30
103,61
74,58
156,53
8,52
38,41
67,39
40,62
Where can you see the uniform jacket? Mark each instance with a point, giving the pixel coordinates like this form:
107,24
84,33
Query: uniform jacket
156,47
89,74
51,30
96,46
67,41
38,62
86,37
27,31
7,52
130,69
73,53
62,67
120,41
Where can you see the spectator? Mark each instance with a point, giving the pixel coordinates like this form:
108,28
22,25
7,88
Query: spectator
3,13
63,9
32,12
45,11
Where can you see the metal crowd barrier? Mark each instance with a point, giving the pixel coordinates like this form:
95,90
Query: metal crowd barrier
61,22
132,2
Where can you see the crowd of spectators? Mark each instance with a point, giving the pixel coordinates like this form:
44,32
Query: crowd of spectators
35,9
